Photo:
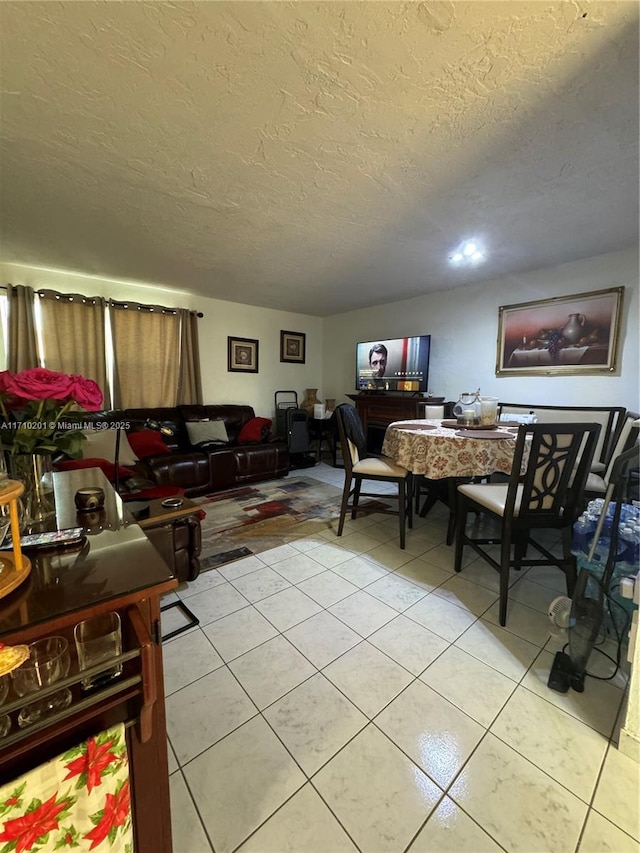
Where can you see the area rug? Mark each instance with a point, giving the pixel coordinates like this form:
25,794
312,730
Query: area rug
252,519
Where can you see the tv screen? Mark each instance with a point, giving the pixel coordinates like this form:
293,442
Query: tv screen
397,364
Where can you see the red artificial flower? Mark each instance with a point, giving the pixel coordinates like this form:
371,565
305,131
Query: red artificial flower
38,383
117,808
5,376
93,763
26,830
86,393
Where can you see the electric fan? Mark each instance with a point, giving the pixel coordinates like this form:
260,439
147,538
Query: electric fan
583,623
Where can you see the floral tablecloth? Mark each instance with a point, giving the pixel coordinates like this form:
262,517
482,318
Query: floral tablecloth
78,801
426,447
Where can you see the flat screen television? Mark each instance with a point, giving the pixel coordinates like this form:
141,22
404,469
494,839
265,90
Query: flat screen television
397,364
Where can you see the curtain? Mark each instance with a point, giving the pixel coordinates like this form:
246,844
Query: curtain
146,355
189,381
73,332
22,345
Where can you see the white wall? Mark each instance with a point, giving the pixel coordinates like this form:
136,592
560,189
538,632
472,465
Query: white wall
220,320
463,324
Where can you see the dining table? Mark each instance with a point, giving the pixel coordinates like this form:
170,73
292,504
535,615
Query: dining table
445,451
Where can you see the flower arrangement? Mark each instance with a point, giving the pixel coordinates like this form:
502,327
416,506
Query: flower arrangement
34,404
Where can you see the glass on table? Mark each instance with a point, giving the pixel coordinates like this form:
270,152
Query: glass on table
99,640
5,720
48,663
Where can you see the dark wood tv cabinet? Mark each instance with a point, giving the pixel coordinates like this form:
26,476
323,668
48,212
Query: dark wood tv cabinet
377,411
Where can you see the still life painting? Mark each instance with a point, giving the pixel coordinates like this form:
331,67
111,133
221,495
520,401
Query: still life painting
563,335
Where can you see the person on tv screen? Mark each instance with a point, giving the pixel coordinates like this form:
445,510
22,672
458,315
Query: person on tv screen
378,360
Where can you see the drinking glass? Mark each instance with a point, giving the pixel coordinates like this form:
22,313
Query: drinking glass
48,662
99,639
4,474
488,410
5,720
5,520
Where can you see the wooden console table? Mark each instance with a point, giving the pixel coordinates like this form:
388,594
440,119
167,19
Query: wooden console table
116,569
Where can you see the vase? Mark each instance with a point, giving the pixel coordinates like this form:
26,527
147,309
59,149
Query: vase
309,401
574,329
331,404
34,471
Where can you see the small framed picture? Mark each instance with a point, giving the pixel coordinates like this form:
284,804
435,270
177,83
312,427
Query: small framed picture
293,346
242,355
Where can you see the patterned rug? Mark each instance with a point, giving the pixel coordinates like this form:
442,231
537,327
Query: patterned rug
254,518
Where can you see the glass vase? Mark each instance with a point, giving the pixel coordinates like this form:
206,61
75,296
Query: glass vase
35,472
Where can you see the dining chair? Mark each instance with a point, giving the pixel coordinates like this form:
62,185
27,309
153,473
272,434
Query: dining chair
358,467
546,497
600,476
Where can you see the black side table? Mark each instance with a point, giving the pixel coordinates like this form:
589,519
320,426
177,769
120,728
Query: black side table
324,430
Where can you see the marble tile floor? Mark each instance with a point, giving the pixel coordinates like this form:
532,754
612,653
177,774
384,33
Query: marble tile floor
344,695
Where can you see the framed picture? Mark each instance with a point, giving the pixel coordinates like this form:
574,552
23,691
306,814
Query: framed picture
242,355
293,346
564,335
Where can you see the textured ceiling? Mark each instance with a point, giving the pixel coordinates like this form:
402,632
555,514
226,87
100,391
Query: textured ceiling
316,157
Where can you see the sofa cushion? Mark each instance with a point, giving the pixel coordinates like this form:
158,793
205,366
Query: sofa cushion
107,467
147,442
255,431
208,430
101,444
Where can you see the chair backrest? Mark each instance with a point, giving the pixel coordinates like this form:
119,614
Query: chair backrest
627,437
560,457
351,434
610,419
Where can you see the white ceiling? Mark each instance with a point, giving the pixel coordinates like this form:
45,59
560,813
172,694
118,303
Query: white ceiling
316,157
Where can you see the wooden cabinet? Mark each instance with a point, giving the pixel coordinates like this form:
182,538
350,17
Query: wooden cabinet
116,569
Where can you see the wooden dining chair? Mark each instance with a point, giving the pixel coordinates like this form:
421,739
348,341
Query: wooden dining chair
600,475
358,467
546,497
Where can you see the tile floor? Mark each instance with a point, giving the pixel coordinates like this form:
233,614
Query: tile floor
342,695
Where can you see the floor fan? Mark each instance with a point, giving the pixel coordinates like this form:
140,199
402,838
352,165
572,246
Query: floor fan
582,621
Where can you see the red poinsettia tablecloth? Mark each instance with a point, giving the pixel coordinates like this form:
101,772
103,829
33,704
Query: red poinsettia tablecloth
78,801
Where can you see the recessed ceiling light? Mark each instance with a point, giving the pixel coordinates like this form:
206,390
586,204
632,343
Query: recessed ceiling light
468,252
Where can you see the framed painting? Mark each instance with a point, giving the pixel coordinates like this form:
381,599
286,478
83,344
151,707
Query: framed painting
564,335
242,355
293,346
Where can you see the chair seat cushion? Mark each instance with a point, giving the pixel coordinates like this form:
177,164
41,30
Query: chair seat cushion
379,466
595,483
492,496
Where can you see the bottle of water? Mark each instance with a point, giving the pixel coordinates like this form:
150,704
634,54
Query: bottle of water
583,530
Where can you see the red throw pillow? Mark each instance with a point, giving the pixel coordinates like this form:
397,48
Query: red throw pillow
107,467
255,431
147,442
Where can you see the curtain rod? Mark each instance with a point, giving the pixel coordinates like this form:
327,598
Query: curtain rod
44,292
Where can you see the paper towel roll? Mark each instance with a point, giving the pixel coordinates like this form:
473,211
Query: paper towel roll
319,410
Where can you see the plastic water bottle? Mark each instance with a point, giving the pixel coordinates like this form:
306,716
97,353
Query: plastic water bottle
583,530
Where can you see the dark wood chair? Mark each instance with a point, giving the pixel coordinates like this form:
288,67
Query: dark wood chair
546,497
610,418
359,467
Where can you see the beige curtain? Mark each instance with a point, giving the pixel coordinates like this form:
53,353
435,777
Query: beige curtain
22,344
189,381
146,356
73,333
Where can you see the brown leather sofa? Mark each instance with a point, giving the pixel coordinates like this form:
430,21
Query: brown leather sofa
209,466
